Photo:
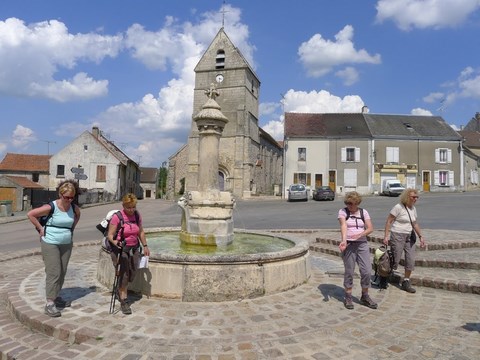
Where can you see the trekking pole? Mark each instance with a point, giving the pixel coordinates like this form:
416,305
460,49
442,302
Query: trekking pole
115,283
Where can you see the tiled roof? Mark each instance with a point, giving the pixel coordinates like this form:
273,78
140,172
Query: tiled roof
24,182
25,162
472,138
325,125
410,126
358,125
148,175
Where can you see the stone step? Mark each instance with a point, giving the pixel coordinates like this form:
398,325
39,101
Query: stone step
464,256
454,276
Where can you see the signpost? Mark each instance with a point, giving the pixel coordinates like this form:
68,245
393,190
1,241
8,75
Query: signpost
81,177
77,170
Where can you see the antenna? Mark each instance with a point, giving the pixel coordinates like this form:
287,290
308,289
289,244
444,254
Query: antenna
48,145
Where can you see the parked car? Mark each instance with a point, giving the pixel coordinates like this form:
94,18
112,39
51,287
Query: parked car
297,192
323,193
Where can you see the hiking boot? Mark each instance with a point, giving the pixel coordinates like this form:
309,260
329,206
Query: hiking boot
125,308
408,287
348,302
52,311
62,304
366,300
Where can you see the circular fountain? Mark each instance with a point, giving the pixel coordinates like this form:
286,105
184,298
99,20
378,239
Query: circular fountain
204,265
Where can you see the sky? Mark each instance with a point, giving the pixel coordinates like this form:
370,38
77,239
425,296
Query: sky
126,66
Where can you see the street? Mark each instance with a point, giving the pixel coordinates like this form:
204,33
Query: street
453,211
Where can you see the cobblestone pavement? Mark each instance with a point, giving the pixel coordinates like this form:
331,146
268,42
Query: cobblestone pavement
309,322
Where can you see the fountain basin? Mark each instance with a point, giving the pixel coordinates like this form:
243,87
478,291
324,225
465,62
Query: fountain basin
215,278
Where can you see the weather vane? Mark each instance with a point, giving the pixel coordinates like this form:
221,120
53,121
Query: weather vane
223,13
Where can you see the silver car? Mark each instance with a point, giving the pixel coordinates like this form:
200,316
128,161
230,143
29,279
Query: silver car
297,192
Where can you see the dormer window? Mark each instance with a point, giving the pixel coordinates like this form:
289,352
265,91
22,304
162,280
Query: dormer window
220,60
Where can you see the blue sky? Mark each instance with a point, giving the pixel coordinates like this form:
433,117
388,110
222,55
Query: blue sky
127,66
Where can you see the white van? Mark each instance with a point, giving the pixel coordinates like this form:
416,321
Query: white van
392,187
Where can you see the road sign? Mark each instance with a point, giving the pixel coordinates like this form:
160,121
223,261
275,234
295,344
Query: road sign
81,177
77,170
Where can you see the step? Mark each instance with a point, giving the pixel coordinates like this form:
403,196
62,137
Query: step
454,275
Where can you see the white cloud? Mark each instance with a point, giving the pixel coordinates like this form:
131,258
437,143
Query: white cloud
313,102
320,56
80,87
157,126
275,129
408,14
434,97
22,137
268,108
467,85
349,75
37,52
421,112
321,102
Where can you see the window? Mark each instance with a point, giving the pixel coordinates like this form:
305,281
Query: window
350,154
60,170
101,173
302,154
220,60
392,155
35,177
302,178
444,178
443,156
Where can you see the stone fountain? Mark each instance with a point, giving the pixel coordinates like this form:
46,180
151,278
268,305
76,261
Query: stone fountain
207,214
207,222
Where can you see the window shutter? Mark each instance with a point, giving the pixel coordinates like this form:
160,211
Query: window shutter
451,181
357,154
437,155
449,156
344,154
436,177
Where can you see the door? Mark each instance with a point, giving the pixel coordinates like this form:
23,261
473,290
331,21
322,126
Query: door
332,180
318,180
426,181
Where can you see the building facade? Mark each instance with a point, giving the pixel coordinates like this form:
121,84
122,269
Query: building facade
359,151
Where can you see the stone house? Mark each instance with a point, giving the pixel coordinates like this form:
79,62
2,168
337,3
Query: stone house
149,182
19,175
100,167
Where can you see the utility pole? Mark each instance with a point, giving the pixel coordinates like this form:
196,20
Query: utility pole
48,154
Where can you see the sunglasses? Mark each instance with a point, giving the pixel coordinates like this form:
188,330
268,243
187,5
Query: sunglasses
349,203
414,197
68,197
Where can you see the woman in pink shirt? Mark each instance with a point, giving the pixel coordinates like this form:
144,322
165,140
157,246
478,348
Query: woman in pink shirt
355,225
125,242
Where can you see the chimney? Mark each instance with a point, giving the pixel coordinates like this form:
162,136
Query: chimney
95,131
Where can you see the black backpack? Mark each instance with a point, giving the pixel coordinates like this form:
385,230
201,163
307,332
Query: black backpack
361,215
103,227
43,220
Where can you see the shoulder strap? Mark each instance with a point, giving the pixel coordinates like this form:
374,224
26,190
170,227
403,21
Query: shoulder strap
361,215
50,213
346,212
137,217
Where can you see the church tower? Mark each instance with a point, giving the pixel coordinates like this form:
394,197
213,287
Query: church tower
223,65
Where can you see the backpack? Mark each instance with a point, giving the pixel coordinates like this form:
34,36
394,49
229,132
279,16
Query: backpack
103,227
43,220
348,215
383,262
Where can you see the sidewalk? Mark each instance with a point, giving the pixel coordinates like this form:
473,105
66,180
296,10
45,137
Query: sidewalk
308,322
